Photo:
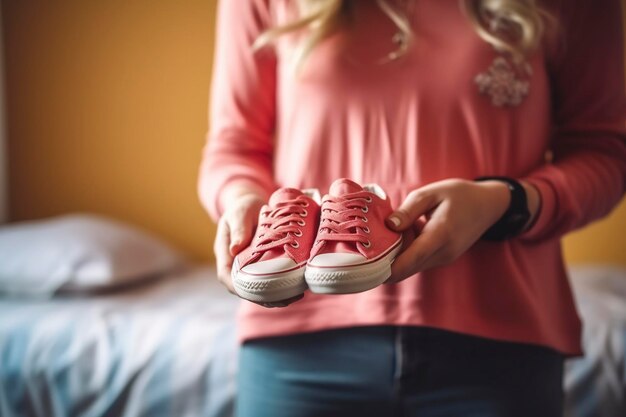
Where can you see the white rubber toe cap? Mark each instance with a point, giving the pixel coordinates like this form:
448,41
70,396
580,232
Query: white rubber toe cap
337,259
271,266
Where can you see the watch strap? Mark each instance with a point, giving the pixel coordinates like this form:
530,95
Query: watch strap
516,216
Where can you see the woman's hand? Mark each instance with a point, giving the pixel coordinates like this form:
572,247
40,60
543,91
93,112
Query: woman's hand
442,220
235,231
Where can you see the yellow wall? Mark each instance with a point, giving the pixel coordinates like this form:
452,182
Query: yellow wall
107,113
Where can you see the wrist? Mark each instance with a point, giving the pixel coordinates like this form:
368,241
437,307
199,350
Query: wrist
499,197
516,217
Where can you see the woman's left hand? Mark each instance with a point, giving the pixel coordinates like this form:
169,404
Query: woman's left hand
442,220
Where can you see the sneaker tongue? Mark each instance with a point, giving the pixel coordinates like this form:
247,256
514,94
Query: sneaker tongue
344,186
283,194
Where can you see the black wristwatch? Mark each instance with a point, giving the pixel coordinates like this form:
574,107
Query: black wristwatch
514,218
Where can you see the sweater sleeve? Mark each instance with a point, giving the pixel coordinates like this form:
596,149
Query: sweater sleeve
239,144
587,175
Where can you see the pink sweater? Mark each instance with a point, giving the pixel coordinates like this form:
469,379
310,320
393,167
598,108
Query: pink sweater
421,119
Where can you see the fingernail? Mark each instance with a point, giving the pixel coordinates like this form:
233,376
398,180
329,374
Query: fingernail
395,220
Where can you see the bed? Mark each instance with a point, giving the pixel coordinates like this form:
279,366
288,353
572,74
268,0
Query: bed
168,348
595,384
162,349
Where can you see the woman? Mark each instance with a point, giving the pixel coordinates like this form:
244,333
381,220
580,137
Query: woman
421,97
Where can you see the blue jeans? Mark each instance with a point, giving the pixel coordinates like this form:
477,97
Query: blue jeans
397,371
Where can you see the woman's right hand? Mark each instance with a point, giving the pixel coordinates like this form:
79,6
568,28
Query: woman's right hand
235,231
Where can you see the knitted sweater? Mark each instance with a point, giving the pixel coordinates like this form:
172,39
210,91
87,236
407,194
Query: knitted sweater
451,107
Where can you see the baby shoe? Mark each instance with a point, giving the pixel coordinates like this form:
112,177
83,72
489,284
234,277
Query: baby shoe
272,267
353,250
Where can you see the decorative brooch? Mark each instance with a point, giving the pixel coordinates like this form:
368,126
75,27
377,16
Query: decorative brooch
500,82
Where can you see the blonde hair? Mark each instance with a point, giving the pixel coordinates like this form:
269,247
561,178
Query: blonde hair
514,27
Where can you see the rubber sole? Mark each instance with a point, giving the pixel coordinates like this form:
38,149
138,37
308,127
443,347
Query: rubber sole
269,288
350,279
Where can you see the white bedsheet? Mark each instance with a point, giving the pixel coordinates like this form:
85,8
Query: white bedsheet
164,349
595,384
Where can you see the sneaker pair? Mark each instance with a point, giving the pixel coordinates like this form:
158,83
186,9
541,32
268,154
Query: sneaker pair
335,245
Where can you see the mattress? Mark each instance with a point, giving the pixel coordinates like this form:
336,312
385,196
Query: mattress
162,349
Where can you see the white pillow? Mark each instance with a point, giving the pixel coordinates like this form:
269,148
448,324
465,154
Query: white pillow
78,252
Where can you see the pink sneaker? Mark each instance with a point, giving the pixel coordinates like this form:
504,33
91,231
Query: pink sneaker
272,267
354,249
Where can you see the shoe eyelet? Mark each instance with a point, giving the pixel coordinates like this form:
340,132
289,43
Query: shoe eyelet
367,245
298,233
365,209
295,245
305,204
364,219
301,223
304,213
368,199
366,229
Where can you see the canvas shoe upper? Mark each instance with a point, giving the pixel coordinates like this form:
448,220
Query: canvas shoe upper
272,267
354,249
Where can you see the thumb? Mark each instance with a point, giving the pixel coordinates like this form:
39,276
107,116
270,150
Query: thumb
412,208
240,235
